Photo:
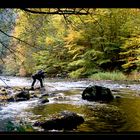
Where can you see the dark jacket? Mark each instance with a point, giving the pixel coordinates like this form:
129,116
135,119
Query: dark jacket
39,75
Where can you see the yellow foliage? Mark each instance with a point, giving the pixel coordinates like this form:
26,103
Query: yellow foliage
73,37
49,40
19,29
127,65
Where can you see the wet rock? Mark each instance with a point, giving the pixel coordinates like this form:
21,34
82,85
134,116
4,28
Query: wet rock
65,120
11,99
33,96
115,90
24,95
43,101
37,124
37,91
3,89
31,92
97,93
42,90
4,92
44,95
117,96
52,94
17,89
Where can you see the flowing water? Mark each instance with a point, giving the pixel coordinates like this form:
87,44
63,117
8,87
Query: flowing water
120,115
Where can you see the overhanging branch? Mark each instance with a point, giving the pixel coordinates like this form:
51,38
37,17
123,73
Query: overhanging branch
15,38
69,11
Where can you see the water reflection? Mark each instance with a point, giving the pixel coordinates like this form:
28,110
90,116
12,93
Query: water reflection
131,107
122,114
96,118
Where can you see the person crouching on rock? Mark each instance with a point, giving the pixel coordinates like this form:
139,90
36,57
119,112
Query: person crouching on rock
38,76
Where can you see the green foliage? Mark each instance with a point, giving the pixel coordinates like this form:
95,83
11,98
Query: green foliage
7,21
108,76
18,127
77,74
130,54
11,66
77,63
107,40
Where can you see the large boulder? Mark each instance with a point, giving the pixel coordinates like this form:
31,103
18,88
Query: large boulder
22,96
97,93
44,100
65,120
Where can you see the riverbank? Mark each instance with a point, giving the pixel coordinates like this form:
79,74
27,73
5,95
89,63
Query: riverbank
115,76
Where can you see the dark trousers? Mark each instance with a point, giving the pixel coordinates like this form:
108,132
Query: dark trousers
34,80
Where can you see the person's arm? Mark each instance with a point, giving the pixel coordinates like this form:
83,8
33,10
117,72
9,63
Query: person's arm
42,75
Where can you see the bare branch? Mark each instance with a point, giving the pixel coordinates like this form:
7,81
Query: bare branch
82,20
70,11
2,57
11,50
2,60
6,47
15,38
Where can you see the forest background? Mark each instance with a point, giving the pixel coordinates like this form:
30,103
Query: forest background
103,44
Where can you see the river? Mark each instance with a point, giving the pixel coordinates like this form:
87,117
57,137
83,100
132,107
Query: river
120,115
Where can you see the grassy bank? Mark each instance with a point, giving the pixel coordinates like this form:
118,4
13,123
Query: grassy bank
115,76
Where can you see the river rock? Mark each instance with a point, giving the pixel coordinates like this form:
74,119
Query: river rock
65,120
44,95
4,92
97,93
11,99
31,92
3,89
22,96
117,96
52,94
33,96
44,100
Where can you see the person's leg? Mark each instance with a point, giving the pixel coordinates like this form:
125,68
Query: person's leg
32,86
41,82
